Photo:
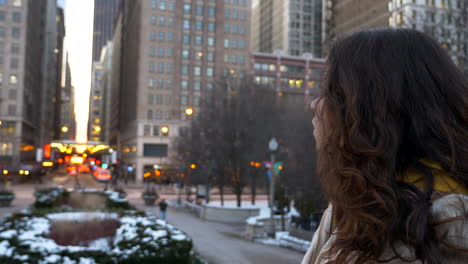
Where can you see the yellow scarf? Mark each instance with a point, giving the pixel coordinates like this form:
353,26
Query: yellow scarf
442,181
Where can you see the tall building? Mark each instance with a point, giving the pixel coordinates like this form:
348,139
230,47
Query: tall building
101,82
67,104
171,52
445,20
27,39
60,51
105,13
346,16
293,26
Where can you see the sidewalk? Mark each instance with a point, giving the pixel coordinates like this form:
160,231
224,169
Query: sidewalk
222,243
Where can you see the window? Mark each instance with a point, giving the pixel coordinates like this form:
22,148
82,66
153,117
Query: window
242,15
209,72
168,100
14,62
170,21
234,28
146,128
153,20
159,99
196,100
150,99
149,116
152,51
150,83
226,43
183,100
12,94
196,71
209,86
170,36
2,15
185,54
186,39
156,130
186,8
226,58
12,110
155,150
13,79
234,44
242,30
160,84
160,52
169,67
211,27
153,36
233,59
226,28
196,86
184,69
168,84
162,20
16,3
162,5
162,36
211,41
184,85
171,6
242,44
158,115
151,67
199,10
15,32
186,24
227,13
160,67
198,40
242,60
199,25
235,15
169,52
211,11
153,4
210,56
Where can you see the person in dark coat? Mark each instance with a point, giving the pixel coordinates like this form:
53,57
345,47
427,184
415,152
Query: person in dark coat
162,209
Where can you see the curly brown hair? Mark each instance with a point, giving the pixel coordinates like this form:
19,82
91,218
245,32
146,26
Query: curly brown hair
391,98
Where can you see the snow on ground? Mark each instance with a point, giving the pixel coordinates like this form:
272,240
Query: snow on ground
82,216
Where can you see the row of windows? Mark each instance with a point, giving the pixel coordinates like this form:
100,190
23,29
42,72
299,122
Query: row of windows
162,52
14,62
210,26
285,82
235,14
160,67
14,48
156,132
200,10
197,70
16,16
184,100
198,55
159,99
198,40
236,2
163,5
15,3
158,115
12,80
162,20
234,29
234,59
162,36
15,32
234,43
159,84
270,67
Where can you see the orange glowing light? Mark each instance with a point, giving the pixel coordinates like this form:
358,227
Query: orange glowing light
60,161
76,160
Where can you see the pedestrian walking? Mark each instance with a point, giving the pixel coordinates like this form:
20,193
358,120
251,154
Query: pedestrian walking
391,130
162,209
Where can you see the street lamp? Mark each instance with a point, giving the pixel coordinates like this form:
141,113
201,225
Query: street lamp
273,147
189,111
64,129
165,130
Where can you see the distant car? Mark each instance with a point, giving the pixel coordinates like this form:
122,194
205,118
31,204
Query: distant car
83,168
102,175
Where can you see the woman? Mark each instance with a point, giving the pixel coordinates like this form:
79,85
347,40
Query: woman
391,127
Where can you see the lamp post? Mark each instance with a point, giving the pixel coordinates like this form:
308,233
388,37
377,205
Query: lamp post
273,147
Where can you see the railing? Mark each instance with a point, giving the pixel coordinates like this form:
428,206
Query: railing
193,208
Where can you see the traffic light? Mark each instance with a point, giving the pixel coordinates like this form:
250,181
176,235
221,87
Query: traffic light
278,167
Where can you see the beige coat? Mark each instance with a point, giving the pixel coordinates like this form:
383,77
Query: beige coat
448,206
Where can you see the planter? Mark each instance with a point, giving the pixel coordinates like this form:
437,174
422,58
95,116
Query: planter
149,199
6,199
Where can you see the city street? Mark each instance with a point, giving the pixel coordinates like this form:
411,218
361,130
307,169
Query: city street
215,242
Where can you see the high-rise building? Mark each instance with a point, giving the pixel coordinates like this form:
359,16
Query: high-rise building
171,52
67,104
346,16
445,20
105,13
293,26
60,51
27,38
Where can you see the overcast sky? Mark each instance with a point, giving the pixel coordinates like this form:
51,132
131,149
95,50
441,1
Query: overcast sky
78,42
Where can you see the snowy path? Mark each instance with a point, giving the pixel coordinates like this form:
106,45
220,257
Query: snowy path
223,244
